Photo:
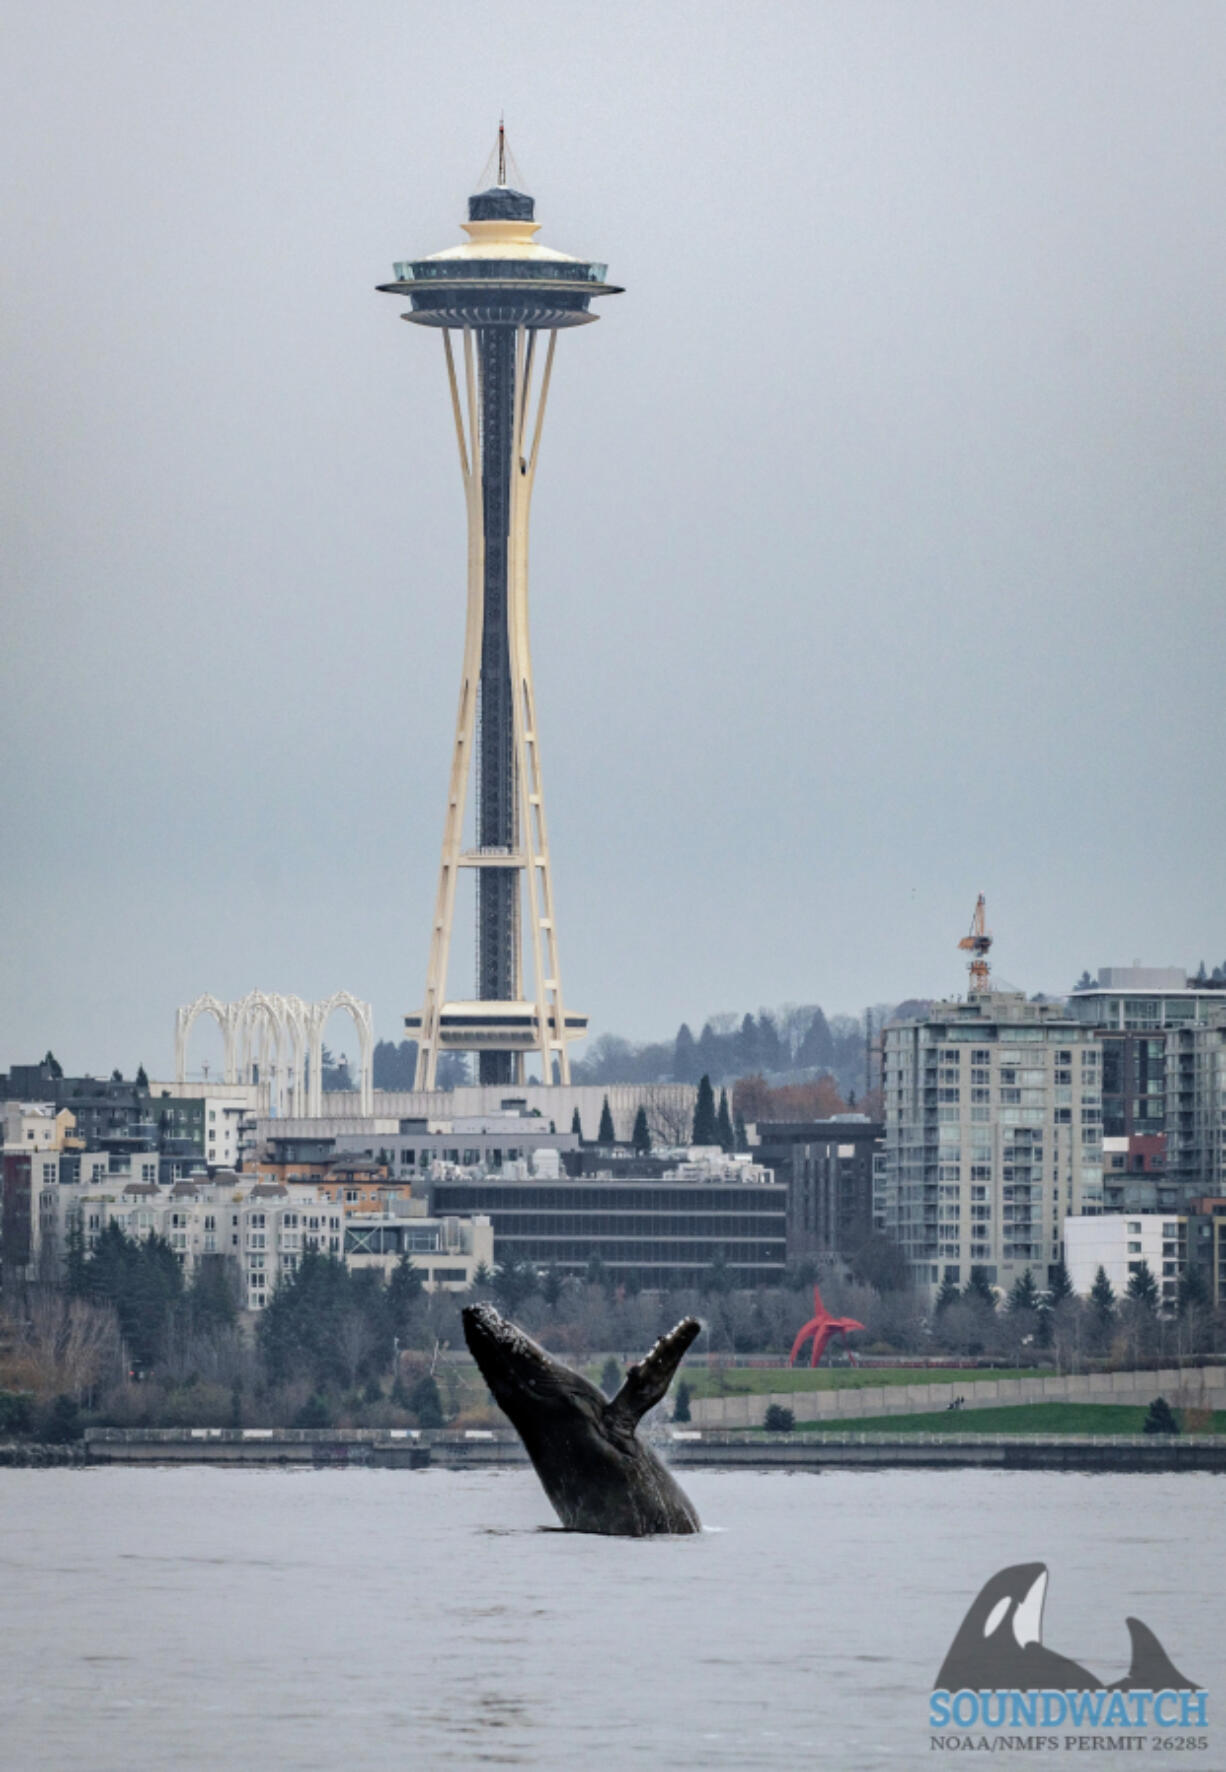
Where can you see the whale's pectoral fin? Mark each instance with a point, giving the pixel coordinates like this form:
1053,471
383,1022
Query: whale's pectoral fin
648,1381
1152,1669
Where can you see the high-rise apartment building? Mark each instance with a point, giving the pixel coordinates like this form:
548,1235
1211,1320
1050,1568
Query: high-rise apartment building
1131,1009
1196,1107
993,1135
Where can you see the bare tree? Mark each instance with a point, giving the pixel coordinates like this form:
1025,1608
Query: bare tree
670,1123
354,1340
72,1345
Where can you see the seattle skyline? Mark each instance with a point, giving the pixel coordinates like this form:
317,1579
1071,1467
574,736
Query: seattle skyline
900,475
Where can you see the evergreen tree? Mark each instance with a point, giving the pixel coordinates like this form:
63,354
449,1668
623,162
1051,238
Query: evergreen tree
770,1046
425,1403
63,1422
576,1125
75,1282
685,1060
741,1137
53,1064
1193,1292
314,1412
1059,1286
723,1125
482,1278
514,1282
949,1294
301,1327
597,1273
709,1053
553,1284
142,1080
606,1134
882,1263
748,1047
212,1299
1143,1287
681,1402
706,1124
1024,1295
978,1290
816,1050
718,1277
640,1138
144,1282
404,1292
610,1377
778,1420
1102,1297
1160,1419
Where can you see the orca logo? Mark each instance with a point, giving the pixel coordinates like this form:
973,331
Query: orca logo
999,1673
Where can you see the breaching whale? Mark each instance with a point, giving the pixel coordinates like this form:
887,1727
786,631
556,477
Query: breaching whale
1000,1644
596,1471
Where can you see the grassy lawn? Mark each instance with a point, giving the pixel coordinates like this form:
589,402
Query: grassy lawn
1022,1418
755,1381
463,1388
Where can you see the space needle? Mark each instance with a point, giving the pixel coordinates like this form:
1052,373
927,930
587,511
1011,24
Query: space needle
500,300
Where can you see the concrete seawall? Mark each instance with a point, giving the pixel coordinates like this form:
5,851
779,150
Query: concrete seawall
406,1450
1195,1387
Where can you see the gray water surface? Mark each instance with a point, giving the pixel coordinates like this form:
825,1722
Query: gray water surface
158,1618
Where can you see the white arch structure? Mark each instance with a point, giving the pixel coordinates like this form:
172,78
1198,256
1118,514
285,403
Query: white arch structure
279,1039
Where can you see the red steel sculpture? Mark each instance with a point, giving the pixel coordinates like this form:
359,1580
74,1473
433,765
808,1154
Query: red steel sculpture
822,1327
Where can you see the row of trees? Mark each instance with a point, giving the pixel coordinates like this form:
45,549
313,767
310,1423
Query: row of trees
796,1037
128,1341
395,1067
1055,1322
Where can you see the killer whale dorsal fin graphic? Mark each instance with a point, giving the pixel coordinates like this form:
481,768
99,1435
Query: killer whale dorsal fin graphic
1152,1669
647,1381
1000,1640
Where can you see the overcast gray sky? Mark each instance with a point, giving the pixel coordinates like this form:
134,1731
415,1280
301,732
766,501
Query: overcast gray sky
878,536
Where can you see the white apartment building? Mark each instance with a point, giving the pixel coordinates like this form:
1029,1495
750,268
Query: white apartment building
993,1111
264,1228
1119,1244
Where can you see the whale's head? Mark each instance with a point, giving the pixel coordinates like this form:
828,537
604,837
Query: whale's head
525,1383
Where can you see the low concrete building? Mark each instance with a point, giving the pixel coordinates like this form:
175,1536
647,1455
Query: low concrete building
1119,1244
662,1231
445,1251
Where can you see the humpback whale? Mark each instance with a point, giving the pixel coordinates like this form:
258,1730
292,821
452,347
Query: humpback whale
596,1471
1000,1643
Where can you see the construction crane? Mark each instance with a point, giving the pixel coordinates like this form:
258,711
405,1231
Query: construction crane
978,942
